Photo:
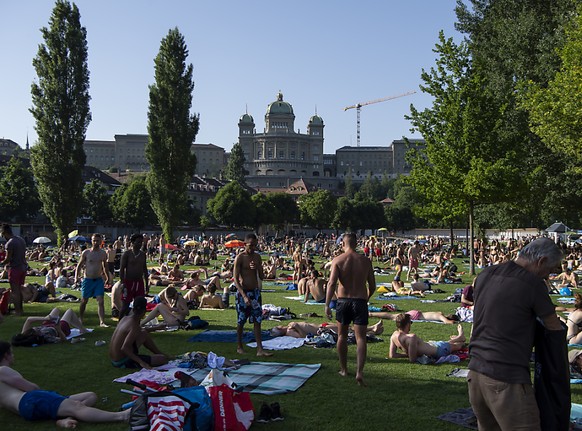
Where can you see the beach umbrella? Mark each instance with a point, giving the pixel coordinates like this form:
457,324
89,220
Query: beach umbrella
171,247
41,240
230,236
191,243
73,233
78,238
235,243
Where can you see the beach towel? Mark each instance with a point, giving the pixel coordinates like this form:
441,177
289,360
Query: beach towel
268,378
463,417
76,333
395,298
280,343
215,336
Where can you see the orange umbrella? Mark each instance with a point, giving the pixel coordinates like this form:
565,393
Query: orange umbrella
171,247
234,243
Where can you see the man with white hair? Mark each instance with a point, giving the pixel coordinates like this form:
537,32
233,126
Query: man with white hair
508,298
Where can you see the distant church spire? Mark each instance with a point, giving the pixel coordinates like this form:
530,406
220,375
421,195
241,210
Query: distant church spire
27,145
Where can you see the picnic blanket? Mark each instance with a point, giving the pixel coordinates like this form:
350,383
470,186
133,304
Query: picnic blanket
280,343
463,417
267,378
76,333
215,336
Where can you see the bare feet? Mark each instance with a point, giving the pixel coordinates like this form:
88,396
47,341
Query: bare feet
264,354
343,373
378,328
67,423
240,351
360,381
104,325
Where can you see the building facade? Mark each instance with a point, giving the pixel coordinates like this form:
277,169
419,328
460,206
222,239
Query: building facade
280,155
127,153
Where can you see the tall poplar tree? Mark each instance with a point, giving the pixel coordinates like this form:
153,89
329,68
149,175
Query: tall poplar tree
60,99
172,130
235,170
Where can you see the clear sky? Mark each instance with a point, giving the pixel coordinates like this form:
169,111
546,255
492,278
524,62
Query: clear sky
322,55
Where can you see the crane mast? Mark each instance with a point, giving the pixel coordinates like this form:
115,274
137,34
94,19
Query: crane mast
358,107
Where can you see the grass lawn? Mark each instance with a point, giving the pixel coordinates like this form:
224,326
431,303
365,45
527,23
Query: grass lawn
399,396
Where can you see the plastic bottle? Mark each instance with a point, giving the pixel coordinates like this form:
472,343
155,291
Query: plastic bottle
100,343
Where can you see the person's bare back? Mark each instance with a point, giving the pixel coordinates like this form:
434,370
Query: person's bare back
352,271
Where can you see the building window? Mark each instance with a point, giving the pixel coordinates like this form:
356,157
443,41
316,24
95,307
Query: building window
259,154
292,155
282,154
269,153
303,155
316,158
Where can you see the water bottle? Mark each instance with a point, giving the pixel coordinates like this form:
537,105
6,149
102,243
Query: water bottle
100,343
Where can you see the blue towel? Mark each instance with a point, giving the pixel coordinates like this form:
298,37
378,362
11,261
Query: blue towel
214,336
395,298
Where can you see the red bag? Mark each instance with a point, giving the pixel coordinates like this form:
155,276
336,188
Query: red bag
4,302
233,411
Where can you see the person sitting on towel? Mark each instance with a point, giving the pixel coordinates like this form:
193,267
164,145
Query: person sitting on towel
413,346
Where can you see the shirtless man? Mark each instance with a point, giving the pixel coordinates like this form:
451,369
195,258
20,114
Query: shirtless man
302,329
27,400
111,253
248,270
353,271
133,272
315,287
129,336
211,299
414,347
15,262
413,256
172,307
567,279
95,262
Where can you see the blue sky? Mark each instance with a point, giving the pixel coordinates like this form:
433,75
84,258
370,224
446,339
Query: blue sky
322,55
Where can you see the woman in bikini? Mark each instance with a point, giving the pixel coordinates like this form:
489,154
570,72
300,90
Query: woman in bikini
574,322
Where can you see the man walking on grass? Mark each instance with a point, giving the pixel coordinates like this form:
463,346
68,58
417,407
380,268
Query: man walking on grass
15,262
353,271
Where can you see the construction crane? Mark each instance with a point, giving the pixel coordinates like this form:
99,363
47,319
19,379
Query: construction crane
358,107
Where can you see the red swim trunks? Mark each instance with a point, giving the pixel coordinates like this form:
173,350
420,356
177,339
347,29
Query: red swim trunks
132,289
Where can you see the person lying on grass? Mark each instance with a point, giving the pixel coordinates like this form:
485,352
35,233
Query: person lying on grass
302,329
418,315
413,346
52,328
27,400
129,336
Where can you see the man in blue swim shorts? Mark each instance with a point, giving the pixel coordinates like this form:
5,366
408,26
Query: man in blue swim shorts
94,260
414,347
26,399
247,273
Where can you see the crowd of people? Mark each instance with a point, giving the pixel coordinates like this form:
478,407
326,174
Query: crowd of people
515,282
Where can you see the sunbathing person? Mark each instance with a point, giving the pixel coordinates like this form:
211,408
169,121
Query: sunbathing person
52,328
172,307
27,400
418,315
574,322
129,336
302,329
315,287
413,346
567,279
211,299
176,273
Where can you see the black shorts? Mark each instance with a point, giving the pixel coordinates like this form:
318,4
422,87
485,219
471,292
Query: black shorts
352,310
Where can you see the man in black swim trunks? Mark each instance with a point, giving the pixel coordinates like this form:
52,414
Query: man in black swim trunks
129,336
352,270
26,399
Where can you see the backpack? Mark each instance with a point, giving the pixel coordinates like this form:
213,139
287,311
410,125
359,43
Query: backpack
183,409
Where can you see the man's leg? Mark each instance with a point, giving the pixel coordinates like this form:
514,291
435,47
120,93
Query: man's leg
259,339
362,349
101,312
16,297
158,358
239,334
342,348
87,398
76,409
82,307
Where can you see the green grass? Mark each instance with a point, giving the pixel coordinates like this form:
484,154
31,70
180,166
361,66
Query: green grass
400,395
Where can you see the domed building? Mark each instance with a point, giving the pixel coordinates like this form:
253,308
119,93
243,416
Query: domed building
280,155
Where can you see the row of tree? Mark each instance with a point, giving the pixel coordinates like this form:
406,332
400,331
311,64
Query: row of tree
60,106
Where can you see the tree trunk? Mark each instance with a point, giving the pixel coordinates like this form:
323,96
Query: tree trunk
472,236
452,236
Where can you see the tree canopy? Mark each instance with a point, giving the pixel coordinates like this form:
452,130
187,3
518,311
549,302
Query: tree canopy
172,130
131,204
235,170
317,209
232,206
18,196
60,99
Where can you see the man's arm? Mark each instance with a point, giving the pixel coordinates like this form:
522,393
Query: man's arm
146,275
123,265
236,276
8,257
104,269
80,264
260,268
393,352
552,322
14,379
331,287
127,348
412,348
371,281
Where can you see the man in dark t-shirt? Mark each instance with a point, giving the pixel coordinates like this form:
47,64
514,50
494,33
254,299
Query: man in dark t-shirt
15,262
508,299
